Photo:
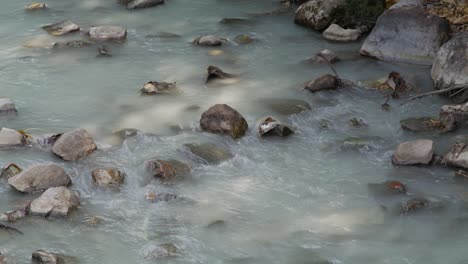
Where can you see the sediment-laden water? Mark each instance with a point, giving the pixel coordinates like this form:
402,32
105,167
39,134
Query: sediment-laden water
302,199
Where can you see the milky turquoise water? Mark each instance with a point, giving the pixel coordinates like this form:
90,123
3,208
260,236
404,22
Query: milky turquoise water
282,200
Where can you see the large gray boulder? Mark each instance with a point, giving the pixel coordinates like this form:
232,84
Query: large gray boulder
406,33
108,33
317,14
39,178
7,106
10,138
74,145
222,119
57,202
450,66
414,152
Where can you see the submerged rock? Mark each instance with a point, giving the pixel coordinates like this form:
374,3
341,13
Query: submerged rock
270,127
317,14
71,44
61,28
235,21
164,35
453,116
285,106
325,56
108,176
336,33
154,87
421,124
39,178
74,145
10,170
11,138
161,197
208,40
387,188
323,83
7,106
14,215
215,73
136,4
457,156
356,122
414,152
104,51
244,39
108,33
36,6
162,251
416,41
415,205
92,220
44,257
57,202
168,170
222,119
450,66
207,153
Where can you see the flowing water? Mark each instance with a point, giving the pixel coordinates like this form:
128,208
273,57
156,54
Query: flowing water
297,200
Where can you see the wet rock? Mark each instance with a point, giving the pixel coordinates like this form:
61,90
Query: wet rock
154,87
161,197
162,251
317,14
207,153
39,178
11,138
414,152
222,119
168,170
355,122
415,205
453,116
104,51
336,33
215,73
108,33
55,202
7,106
270,127
14,215
235,21
415,41
9,171
387,188
61,28
109,176
285,106
450,66
71,44
74,145
325,56
137,4
457,156
44,257
244,39
421,124
323,83
208,40
36,6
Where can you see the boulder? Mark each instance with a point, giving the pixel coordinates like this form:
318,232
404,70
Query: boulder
107,176
450,67
208,40
10,170
35,6
421,124
74,145
270,127
336,33
457,156
10,138
136,4
284,106
317,14
61,28
7,106
406,33
56,201
108,33
161,251
453,116
222,119
414,152
323,83
154,87
215,73
39,178
325,56
207,153
168,170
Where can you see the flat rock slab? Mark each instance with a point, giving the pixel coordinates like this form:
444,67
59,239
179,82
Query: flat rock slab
421,124
10,138
61,28
74,145
56,202
336,33
39,178
108,33
414,152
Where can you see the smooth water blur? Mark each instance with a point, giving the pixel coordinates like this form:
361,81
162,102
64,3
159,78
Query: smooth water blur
283,201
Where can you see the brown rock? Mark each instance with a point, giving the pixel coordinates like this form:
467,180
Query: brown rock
222,119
